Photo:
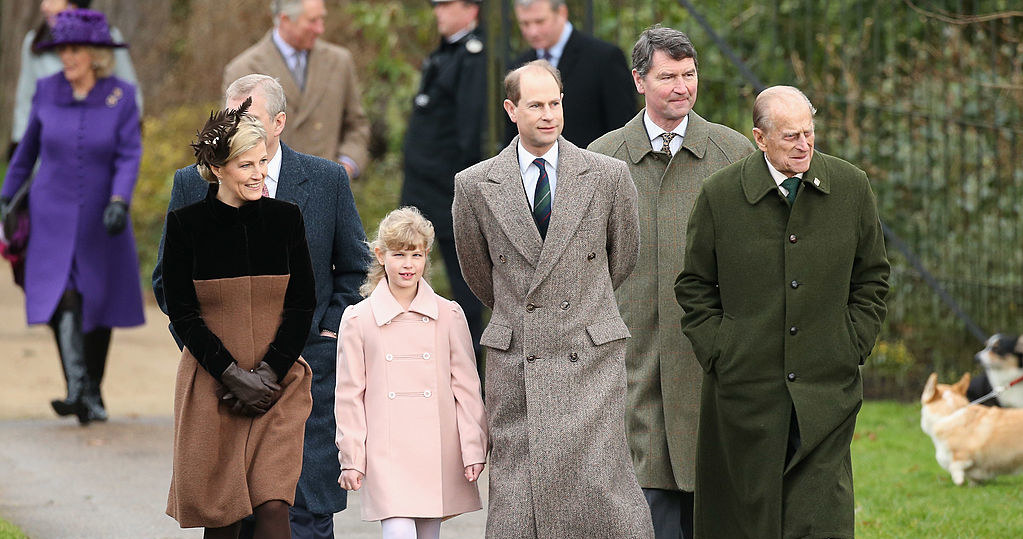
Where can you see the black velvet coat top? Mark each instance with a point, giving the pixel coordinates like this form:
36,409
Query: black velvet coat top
212,240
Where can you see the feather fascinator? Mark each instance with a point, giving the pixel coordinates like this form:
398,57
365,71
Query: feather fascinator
213,145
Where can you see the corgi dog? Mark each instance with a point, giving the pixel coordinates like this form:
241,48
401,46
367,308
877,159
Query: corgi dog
973,443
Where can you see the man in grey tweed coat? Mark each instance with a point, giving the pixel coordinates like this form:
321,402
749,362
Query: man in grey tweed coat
664,376
545,231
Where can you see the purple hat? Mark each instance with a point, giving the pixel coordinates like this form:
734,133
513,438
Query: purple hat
80,27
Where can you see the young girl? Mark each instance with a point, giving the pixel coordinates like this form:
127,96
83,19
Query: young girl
410,419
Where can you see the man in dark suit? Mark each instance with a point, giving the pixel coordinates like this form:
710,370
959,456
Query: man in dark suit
599,92
445,134
339,255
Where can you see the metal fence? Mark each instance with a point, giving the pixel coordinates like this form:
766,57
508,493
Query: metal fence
926,97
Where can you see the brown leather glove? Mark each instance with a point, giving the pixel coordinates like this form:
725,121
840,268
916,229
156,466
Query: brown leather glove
255,395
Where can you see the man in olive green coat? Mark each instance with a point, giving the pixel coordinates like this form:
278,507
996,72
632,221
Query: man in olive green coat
783,288
663,374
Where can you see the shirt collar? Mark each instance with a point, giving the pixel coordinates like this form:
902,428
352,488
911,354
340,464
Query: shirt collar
273,168
526,158
461,33
654,131
559,47
778,176
286,50
385,307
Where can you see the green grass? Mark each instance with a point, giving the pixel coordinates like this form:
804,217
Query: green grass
902,492
10,531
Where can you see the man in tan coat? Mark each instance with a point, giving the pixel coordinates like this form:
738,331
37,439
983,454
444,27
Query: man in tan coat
325,110
669,150
544,232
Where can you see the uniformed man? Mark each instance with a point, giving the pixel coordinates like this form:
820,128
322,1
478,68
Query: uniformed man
445,134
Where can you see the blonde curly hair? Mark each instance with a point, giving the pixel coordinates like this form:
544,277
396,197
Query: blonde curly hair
401,230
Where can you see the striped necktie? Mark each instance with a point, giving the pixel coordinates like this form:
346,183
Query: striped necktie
542,200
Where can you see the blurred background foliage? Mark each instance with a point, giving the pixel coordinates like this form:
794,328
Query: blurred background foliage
926,96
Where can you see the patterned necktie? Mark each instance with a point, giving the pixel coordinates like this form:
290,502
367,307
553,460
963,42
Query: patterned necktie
666,147
791,185
542,200
266,190
298,69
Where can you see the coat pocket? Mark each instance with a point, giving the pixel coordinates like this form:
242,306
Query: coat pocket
721,341
608,330
497,337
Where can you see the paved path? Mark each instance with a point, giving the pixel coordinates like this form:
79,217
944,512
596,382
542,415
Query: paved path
107,480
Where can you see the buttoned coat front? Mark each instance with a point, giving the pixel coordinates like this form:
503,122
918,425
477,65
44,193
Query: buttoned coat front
88,151
555,372
781,309
664,376
408,406
326,118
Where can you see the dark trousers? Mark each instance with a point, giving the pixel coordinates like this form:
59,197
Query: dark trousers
671,511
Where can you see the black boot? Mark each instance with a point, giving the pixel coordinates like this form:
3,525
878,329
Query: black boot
67,329
97,343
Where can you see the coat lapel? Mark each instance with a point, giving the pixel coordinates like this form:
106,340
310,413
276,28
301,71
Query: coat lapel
293,176
504,195
271,57
570,55
571,199
317,72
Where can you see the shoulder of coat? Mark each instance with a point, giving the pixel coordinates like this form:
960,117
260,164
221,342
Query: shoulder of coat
455,307
352,312
733,144
608,143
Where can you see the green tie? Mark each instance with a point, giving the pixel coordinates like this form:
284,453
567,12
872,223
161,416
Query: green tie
791,185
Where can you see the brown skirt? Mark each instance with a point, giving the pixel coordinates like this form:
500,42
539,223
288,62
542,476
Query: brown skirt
225,464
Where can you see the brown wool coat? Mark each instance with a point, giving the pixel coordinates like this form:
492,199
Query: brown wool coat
664,376
555,380
325,119
227,464
781,309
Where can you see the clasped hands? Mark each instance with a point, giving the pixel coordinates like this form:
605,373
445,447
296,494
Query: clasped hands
250,393
351,479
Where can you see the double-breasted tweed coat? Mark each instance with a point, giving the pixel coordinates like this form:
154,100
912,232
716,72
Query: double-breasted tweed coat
409,411
555,372
781,309
325,118
664,377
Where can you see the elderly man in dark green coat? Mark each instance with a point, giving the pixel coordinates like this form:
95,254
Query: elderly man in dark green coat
783,288
670,150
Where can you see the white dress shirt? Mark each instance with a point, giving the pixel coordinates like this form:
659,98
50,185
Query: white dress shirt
779,177
654,131
531,173
273,172
554,53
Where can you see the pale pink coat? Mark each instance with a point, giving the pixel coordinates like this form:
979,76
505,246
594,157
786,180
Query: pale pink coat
408,406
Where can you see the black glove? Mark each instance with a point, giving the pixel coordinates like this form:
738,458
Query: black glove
254,394
10,150
115,217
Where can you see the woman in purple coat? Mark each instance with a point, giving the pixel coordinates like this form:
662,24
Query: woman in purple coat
81,268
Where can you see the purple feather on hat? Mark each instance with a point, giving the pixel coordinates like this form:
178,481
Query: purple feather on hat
80,27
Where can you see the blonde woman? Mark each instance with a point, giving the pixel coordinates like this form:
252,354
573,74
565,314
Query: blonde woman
412,430
240,296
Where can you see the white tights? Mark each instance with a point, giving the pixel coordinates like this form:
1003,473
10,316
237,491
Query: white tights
410,528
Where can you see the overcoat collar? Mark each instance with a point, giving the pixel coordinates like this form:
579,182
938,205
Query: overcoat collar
638,142
105,91
571,54
506,198
757,182
290,184
385,307
226,213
